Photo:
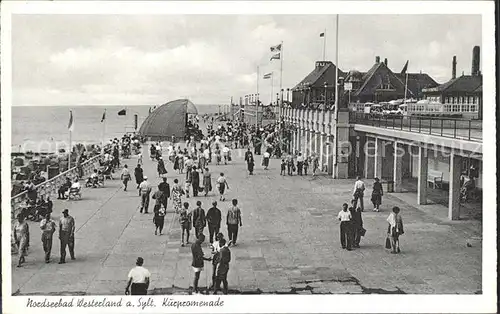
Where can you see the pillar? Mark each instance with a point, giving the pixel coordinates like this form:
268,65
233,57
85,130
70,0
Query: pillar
422,176
294,141
379,157
329,154
321,150
298,140
310,136
398,167
454,191
341,170
368,150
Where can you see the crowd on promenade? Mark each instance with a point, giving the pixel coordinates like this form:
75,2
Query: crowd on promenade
194,162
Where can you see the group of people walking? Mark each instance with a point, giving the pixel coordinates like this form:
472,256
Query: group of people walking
351,221
66,228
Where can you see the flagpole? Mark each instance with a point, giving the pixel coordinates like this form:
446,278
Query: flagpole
257,102
324,46
406,85
336,114
70,150
103,132
272,82
281,100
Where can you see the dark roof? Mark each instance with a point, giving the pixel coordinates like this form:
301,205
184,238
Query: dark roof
167,120
417,81
464,83
319,76
373,78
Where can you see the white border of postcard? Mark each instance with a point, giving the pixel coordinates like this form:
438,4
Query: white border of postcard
273,303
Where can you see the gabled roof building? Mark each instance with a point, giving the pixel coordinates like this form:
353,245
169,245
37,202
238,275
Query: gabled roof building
378,84
461,94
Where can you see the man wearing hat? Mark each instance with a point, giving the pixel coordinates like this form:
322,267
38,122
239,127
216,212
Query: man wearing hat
67,235
145,191
138,279
213,218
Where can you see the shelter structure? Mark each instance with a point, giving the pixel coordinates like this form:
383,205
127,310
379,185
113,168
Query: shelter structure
168,120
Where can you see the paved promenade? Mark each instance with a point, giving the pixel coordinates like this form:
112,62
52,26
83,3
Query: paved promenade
289,242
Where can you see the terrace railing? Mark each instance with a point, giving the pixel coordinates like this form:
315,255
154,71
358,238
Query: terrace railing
463,129
51,186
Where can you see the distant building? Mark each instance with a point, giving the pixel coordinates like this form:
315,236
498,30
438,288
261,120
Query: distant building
320,83
463,94
378,84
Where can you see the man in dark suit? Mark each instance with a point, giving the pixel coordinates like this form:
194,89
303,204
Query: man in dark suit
356,224
164,187
248,154
199,220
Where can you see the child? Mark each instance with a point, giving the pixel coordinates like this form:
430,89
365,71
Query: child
185,222
222,184
283,166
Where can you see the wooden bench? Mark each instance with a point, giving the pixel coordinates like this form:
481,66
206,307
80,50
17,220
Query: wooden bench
435,178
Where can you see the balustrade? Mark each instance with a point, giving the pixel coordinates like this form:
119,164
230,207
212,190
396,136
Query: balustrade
51,186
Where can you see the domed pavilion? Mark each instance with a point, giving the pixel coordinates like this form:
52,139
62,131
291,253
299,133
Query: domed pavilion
168,120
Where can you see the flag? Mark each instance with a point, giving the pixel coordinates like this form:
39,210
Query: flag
276,56
276,48
71,124
122,112
268,76
405,68
103,116
322,35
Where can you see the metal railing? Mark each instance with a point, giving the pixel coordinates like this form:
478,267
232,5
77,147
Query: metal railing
464,129
51,186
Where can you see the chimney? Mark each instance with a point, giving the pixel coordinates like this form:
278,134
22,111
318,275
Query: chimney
385,61
377,59
475,61
454,68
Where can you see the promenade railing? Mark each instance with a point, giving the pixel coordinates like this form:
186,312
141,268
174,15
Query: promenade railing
464,129
51,186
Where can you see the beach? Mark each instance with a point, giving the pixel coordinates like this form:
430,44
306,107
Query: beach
43,128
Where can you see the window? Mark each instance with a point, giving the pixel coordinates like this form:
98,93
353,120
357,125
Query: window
465,108
447,108
473,108
455,100
455,107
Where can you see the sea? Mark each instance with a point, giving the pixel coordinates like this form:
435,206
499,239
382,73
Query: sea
45,128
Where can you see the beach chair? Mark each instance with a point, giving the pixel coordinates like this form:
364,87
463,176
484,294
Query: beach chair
107,172
74,194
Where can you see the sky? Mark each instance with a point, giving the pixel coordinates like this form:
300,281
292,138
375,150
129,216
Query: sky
150,60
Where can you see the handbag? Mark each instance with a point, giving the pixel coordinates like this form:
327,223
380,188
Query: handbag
387,243
362,231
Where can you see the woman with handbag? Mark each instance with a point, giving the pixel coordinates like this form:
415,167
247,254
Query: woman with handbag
394,230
